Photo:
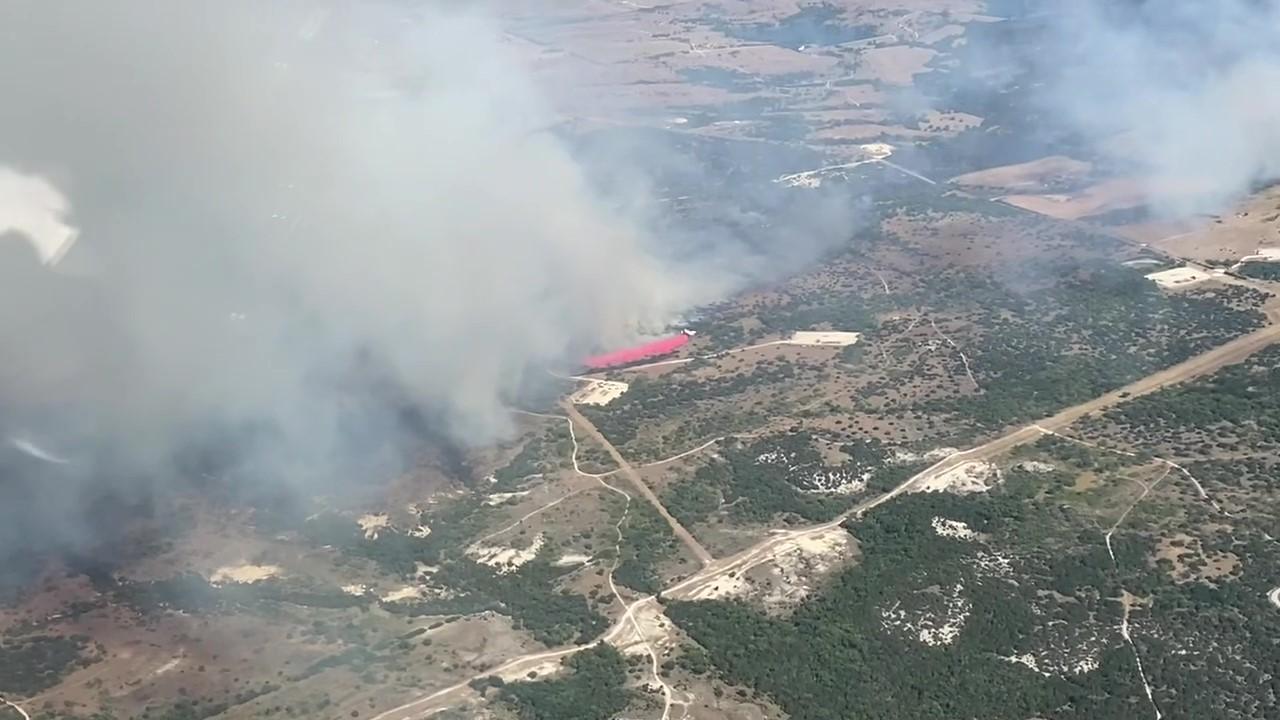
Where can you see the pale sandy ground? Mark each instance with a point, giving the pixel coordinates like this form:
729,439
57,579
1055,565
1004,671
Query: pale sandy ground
953,529
243,573
499,498
967,477
795,573
940,34
790,574
372,523
506,559
599,392
877,151
1263,254
544,669
824,339
726,587
1178,277
166,667
1122,193
1037,466
408,592
655,632
572,559
932,630
1082,665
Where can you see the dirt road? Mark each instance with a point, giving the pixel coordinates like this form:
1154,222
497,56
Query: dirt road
627,471
16,707
1203,364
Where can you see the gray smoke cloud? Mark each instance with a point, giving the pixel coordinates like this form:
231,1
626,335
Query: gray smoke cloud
291,221
1183,93
269,192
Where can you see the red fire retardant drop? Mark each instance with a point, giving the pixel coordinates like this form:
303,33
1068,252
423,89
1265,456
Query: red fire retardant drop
654,349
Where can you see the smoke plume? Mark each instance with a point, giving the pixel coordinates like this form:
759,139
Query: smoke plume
1184,94
295,222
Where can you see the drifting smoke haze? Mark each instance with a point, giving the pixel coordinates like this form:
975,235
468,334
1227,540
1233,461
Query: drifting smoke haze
1185,93
295,221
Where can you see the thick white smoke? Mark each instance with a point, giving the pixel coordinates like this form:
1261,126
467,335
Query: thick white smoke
1186,93
280,197
35,211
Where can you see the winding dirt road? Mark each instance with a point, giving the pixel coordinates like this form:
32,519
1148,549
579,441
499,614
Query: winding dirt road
627,471
1229,353
16,707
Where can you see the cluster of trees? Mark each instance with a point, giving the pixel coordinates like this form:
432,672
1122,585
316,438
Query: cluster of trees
649,400
197,709
528,595
758,491
1081,456
1096,329
593,689
541,454
1268,271
647,540
834,656
1208,647
34,663
1243,399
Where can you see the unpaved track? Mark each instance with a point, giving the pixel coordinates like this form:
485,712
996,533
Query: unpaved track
1226,354
627,471
686,453
1205,363
15,706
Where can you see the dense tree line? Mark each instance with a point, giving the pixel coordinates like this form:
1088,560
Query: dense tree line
782,475
593,689
1268,271
652,400
33,663
647,540
834,657
1098,328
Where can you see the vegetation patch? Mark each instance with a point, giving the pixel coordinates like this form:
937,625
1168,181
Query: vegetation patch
593,690
33,663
